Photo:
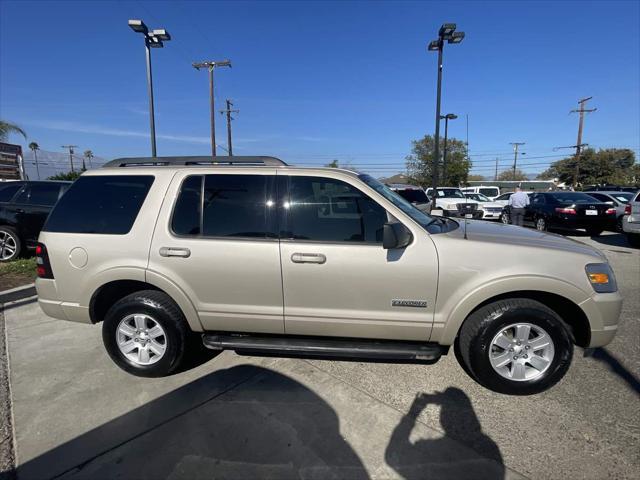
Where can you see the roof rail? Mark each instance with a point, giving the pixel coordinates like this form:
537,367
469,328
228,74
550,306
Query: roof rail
208,160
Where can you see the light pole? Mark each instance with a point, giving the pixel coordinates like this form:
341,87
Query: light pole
447,117
447,32
152,39
515,156
71,152
211,65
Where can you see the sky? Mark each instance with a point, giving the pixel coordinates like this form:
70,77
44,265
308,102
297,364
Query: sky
317,81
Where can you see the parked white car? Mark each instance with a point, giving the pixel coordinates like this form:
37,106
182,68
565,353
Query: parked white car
492,210
448,199
503,199
631,221
486,190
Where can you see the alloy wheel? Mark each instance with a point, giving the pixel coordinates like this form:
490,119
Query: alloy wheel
141,339
8,246
541,224
521,352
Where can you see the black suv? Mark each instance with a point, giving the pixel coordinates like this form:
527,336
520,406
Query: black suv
566,210
24,206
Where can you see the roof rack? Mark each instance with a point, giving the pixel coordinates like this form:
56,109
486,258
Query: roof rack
208,160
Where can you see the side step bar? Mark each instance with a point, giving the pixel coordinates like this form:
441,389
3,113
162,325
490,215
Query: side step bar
325,347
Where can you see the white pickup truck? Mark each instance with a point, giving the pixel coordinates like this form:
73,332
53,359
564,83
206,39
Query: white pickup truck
448,198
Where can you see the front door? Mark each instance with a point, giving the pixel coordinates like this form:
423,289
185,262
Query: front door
338,279
218,243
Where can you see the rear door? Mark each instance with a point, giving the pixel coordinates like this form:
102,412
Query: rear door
32,206
337,278
216,240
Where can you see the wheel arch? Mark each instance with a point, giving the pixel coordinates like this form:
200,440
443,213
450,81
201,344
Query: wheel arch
563,298
107,294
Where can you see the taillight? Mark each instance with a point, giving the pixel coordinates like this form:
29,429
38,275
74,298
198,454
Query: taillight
610,211
627,209
569,211
43,268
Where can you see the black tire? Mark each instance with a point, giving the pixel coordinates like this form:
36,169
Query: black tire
633,239
594,232
541,224
504,218
7,233
165,312
618,227
479,329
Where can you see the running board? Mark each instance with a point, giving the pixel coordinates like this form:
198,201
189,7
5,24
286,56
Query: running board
325,347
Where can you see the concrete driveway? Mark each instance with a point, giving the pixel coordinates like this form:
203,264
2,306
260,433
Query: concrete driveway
77,415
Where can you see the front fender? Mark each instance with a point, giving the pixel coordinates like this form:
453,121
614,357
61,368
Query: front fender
453,312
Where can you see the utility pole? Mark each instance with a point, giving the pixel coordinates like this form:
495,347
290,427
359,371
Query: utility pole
70,147
496,175
581,110
211,65
228,111
515,156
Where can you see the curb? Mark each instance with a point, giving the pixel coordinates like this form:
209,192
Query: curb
17,293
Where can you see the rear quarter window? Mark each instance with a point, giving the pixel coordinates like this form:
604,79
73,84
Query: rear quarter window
8,191
107,204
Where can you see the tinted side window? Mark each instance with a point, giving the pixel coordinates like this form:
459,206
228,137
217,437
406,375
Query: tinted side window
39,194
538,199
327,210
8,191
237,206
187,212
107,204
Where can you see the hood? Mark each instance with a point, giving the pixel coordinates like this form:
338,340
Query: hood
511,235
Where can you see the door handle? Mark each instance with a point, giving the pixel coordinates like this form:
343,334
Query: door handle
308,258
175,252
19,210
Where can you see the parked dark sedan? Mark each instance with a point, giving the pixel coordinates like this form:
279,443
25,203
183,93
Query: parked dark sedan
24,207
567,210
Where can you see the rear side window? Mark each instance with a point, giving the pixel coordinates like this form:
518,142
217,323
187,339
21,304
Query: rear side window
39,194
8,191
106,204
225,206
489,192
327,210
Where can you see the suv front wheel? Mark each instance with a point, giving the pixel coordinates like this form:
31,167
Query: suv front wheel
515,346
145,334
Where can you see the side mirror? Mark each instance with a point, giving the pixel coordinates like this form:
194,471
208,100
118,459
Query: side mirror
395,235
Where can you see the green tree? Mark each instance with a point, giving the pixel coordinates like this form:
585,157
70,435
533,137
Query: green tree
69,176
605,166
7,128
34,147
88,154
519,175
420,162
333,164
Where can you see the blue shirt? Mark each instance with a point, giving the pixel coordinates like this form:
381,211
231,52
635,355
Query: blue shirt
519,200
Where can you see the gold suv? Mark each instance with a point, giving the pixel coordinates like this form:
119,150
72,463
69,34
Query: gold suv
252,255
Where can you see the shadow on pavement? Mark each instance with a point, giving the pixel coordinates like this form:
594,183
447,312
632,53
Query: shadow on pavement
243,422
602,355
434,458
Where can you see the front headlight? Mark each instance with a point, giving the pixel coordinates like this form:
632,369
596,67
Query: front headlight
452,206
601,277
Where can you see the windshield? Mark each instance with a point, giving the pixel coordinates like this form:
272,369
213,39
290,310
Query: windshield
574,197
413,195
450,193
420,217
494,192
478,197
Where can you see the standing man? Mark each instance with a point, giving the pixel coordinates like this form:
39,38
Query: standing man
518,201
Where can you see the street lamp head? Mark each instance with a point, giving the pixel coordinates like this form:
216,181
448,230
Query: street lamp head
138,26
223,63
434,45
153,41
446,30
450,116
456,37
161,34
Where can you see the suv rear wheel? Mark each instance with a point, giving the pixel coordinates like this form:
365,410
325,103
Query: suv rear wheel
145,334
515,346
10,245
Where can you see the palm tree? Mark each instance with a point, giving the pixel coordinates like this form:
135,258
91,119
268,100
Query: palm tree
6,128
35,147
89,155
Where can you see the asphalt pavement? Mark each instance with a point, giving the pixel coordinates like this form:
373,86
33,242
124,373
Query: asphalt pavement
76,415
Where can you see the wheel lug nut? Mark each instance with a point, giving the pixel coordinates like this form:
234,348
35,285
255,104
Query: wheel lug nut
526,356
527,347
511,350
515,357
